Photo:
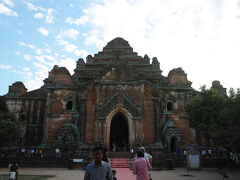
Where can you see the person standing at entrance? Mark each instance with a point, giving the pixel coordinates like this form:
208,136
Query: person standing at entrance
132,152
114,146
141,167
98,169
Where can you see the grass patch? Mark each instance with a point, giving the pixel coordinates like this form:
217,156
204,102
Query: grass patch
28,177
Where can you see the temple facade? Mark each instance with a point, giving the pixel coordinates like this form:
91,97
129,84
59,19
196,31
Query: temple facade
114,97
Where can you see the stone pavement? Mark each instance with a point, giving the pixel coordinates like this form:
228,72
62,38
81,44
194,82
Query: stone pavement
125,174
178,174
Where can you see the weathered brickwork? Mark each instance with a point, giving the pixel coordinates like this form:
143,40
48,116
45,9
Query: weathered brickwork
114,88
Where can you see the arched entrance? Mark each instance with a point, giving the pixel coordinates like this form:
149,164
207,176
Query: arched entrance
119,132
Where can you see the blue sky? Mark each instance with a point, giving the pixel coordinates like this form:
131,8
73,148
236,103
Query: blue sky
201,36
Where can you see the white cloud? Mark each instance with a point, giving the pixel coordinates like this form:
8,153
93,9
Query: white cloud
26,74
7,11
60,41
81,53
69,63
5,66
79,21
38,15
8,2
36,80
19,31
22,43
202,37
51,58
71,5
49,61
26,68
27,57
49,18
31,46
38,51
47,50
43,31
69,33
30,6
46,60
26,45
96,40
17,53
70,47
43,65
41,68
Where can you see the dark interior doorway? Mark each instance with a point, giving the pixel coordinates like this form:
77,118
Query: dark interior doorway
173,144
119,133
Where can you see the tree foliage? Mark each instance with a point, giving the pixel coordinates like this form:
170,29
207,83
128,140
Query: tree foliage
204,110
216,116
229,122
10,131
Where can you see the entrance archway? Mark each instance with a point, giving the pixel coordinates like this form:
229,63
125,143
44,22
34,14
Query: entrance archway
119,132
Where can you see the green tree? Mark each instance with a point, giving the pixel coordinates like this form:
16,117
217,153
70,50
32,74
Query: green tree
204,110
10,131
229,122
217,117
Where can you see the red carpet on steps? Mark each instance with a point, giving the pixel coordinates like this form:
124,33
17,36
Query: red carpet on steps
122,168
119,163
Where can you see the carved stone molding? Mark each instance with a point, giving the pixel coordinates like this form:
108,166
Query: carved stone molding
170,130
116,100
68,129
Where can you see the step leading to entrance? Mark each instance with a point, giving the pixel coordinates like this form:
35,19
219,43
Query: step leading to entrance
119,163
119,155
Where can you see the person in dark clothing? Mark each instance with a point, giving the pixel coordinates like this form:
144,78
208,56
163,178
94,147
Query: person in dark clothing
105,156
98,169
114,174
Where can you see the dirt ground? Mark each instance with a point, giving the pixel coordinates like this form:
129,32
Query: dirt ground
177,174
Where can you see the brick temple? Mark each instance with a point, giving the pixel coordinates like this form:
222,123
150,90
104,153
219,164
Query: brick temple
114,97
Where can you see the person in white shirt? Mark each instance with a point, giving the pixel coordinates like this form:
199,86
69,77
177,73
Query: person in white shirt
203,152
147,156
185,152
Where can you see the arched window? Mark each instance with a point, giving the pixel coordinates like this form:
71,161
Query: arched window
69,105
169,106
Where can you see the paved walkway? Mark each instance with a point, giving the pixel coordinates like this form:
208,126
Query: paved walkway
179,174
124,174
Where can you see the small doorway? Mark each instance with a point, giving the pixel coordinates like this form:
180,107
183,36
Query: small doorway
119,133
173,144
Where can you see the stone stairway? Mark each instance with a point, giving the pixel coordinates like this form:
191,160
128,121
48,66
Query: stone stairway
119,155
120,159
119,163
